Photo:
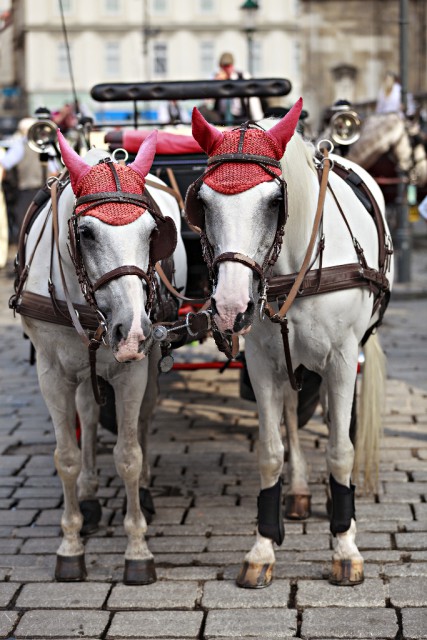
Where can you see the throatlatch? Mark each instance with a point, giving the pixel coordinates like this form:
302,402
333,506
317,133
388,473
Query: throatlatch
270,517
343,509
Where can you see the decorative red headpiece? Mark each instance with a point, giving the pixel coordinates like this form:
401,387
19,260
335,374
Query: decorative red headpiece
87,179
235,177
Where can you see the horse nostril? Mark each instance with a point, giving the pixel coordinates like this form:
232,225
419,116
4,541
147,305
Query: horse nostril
244,319
118,332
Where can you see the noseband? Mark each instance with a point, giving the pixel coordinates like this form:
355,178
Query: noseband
195,213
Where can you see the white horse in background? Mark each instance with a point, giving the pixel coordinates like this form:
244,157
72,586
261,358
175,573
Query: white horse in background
115,238
240,207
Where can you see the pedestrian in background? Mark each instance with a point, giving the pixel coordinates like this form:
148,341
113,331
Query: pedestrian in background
30,174
235,110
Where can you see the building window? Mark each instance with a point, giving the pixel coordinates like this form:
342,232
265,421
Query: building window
207,58
62,60
159,6
256,58
112,59
160,60
66,6
112,6
206,6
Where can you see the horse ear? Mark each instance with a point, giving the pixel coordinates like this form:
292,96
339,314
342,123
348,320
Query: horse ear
75,165
283,131
204,133
145,156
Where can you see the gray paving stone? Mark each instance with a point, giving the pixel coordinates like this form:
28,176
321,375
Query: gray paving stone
156,624
62,624
342,622
226,594
370,593
415,541
7,592
414,623
187,573
408,592
258,623
7,622
161,595
18,517
404,570
63,596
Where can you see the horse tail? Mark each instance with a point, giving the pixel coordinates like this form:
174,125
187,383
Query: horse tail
369,415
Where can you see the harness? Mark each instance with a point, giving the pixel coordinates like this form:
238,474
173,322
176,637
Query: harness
284,289
89,322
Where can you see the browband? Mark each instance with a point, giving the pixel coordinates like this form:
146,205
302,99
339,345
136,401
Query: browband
243,157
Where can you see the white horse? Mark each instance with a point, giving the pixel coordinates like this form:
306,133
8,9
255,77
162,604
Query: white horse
115,238
240,206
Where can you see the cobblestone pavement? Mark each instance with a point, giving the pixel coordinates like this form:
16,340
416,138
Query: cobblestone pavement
203,448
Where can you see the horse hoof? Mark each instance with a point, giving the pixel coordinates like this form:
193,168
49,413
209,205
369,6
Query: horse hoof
297,507
139,572
255,576
70,568
347,573
92,513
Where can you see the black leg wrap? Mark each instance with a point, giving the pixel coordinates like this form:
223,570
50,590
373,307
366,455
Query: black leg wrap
92,513
342,506
147,504
270,516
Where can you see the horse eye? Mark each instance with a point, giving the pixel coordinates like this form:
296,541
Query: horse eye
277,201
86,233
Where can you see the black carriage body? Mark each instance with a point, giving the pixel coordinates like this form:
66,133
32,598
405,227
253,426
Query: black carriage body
186,167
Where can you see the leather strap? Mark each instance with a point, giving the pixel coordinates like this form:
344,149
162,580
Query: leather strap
126,270
172,289
277,317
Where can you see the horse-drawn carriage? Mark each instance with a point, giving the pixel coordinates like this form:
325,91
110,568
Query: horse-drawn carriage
295,262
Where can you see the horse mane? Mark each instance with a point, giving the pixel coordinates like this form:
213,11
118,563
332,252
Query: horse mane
299,153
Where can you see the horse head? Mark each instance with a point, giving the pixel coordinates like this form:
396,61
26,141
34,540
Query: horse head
240,206
113,236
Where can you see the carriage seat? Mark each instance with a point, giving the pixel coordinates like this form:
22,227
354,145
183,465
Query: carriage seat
167,143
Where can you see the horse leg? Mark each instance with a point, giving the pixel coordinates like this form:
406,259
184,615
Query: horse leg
347,562
87,482
145,415
257,569
70,564
298,496
129,390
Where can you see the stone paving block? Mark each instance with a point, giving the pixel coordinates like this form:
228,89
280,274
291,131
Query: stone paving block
161,595
7,592
404,570
310,593
178,544
214,514
415,541
342,622
187,573
36,532
62,624
63,595
7,622
414,624
17,517
40,546
259,623
155,624
225,594
408,592
9,545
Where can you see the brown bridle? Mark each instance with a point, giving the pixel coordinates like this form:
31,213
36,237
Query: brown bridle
196,218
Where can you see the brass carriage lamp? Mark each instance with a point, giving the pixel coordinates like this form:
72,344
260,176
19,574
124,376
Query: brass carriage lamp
250,8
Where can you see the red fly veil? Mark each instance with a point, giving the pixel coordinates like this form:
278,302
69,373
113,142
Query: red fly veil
86,180
235,177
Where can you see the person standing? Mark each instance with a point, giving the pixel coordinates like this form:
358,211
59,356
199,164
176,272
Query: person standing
235,110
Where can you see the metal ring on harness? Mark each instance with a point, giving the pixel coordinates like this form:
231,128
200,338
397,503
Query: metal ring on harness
116,155
329,145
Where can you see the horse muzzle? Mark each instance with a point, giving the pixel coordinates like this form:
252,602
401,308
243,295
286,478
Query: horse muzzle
233,318
130,345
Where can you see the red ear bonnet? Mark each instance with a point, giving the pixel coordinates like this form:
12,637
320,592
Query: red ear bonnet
235,177
86,179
